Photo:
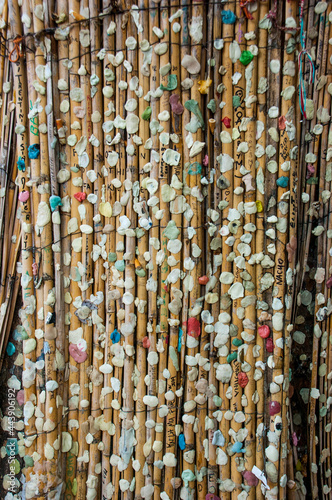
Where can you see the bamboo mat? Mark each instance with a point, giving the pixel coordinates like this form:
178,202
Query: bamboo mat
165,248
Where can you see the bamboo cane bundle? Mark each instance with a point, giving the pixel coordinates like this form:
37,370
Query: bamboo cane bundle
168,250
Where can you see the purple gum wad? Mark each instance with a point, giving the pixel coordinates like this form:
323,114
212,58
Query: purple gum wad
176,105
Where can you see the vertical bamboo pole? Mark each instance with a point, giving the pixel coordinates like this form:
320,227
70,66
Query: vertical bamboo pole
142,269
95,471
62,114
86,485
131,176
278,304
75,256
120,99
238,312
28,318
175,295
259,234
154,245
250,283
109,228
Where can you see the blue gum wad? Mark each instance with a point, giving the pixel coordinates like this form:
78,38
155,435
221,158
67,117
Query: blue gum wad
21,164
282,181
115,336
182,442
33,151
228,17
55,201
10,349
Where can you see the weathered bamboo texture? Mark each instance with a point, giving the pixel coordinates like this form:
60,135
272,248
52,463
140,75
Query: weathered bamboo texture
165,175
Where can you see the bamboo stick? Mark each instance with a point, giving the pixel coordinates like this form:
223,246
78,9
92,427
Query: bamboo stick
238,312
86,484
250,284
260,239
120,99
175,295
95,471
34,178
109,228
214,129
154,272
28,319
74,257
143,247
131,176
62,115
279,306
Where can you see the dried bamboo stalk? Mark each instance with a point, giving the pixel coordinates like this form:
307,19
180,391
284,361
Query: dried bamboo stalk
74,257
141,269
28,318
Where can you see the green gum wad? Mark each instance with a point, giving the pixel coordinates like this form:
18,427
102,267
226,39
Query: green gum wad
28,461
147,113
246,57
139,271
237,342
120,265
111,257
171,232
231,357
172,83
193,107
74,486
212,106
236,101
139,232
195,168
187,477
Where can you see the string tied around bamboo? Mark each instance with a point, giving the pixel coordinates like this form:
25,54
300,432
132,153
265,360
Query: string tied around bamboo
16,49
301,59
243,5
